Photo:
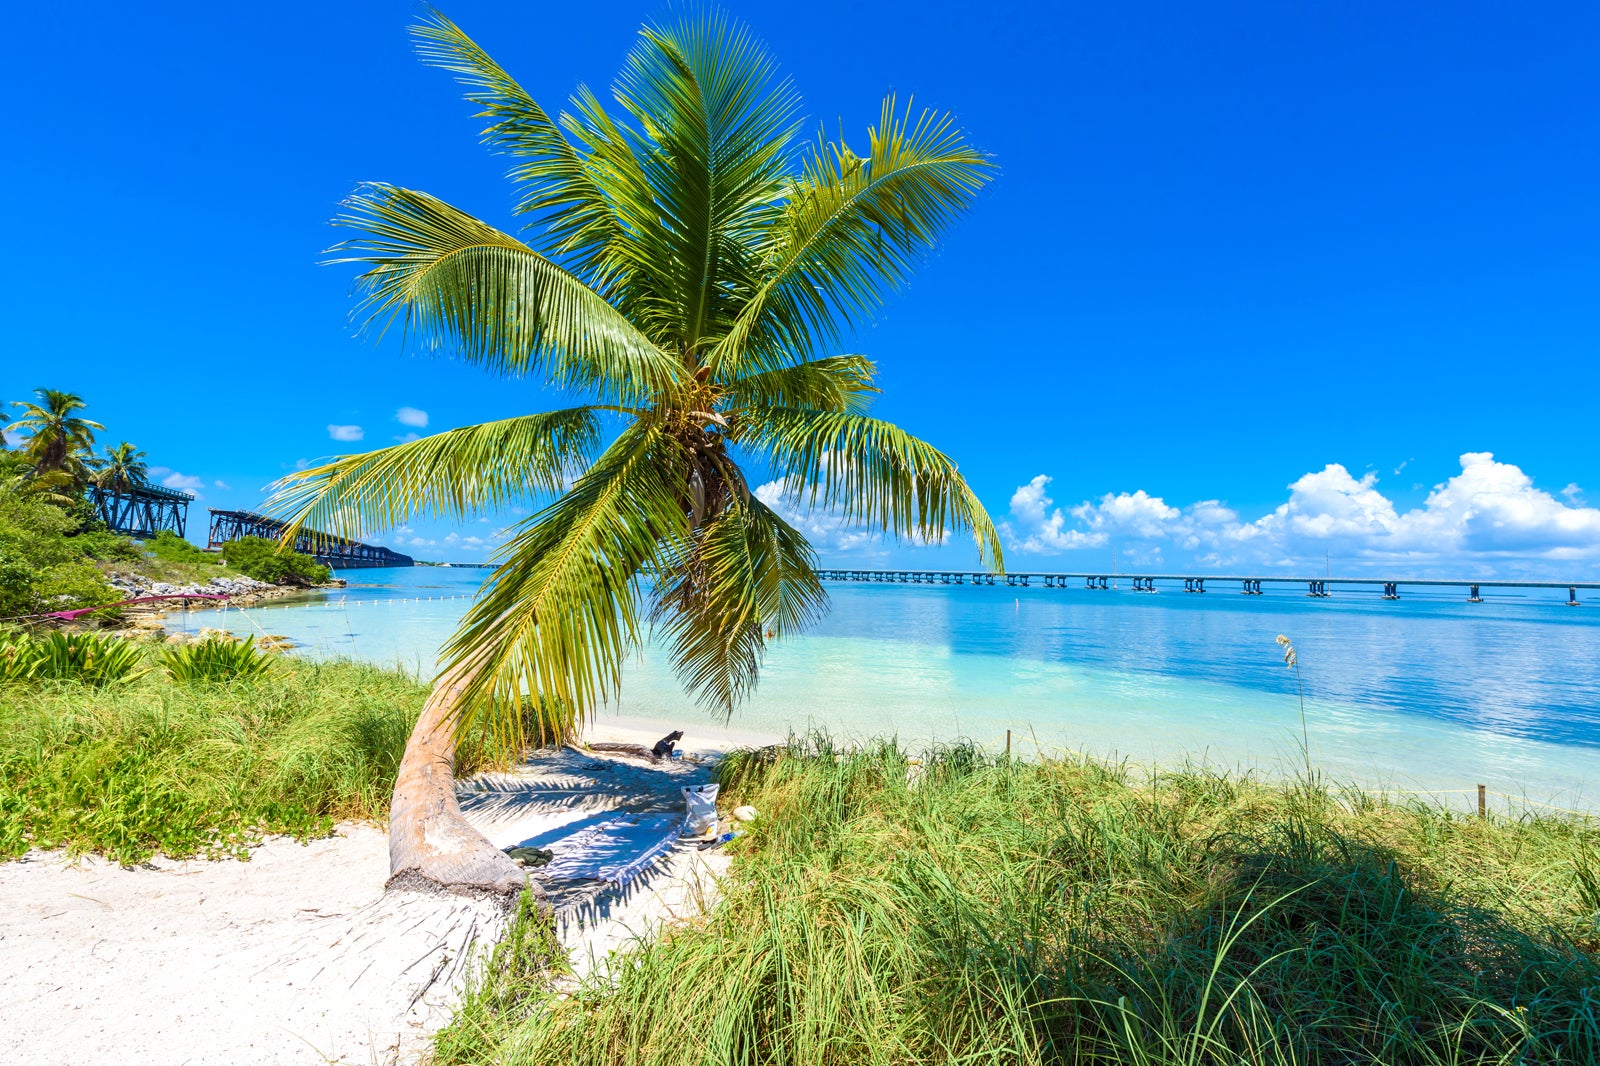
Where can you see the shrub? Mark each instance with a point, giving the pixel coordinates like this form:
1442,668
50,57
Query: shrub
169,547
86,658
216,659
42,566
108,547
266,560
17,659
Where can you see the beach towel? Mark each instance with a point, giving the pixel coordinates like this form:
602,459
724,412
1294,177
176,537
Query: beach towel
617,849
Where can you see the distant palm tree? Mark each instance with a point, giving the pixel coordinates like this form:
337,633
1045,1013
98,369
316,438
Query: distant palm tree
122,470
58,440
692,281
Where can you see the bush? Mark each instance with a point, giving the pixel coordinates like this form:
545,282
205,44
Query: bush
42,567
84,658
108,547
17,660
169,547
266,560
216,659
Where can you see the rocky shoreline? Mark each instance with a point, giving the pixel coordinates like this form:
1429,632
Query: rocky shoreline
240,592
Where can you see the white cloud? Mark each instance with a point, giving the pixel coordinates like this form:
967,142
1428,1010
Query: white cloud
408,438
182,482
1041,528
13,437
223,485
1491,511
412,416
346,433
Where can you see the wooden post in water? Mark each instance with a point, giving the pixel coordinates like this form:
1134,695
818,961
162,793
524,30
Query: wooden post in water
1483,802
1008,745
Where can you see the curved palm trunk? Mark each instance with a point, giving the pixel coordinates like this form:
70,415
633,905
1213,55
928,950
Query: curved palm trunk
431,846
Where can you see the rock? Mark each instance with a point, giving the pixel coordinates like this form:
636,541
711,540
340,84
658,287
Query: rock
744,814
530,856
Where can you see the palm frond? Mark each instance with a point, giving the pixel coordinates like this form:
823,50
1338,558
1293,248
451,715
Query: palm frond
855,227
834,383
557,618
718,131
559,188
454,474
460,284
872,472
745,574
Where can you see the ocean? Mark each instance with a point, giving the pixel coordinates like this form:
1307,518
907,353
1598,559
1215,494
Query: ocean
1429,693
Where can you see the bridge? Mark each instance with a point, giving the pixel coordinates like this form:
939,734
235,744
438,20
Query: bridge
337,552
1317,587
141,511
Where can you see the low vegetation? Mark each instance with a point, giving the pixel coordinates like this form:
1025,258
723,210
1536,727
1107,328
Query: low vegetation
43,566
963,908
200,767
215,659
266,560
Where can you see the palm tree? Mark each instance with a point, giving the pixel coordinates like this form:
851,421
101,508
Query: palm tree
122,470
58,441
690,281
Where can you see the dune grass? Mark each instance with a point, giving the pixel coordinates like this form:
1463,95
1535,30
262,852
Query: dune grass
203,769
963,909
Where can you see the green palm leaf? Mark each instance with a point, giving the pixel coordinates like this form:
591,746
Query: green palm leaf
745,575
460,284
719,132
875,473
559,189
454,474
562,611
836,383
854,228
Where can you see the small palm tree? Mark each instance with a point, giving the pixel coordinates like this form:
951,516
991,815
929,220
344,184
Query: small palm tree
691,281
58,440
122,470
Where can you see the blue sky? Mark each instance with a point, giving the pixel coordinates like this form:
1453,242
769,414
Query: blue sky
1256,283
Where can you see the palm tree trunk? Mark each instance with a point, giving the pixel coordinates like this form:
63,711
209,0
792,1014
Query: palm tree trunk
431,846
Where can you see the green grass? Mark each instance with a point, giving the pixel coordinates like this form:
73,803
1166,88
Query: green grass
202,769
966,910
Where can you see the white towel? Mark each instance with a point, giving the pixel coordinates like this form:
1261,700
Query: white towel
617,849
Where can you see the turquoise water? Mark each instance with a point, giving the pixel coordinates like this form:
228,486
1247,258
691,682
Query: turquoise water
1428,693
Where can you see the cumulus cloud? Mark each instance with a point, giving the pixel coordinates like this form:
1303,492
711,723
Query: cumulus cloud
223,485
412,416
346,433
182,482
1490,511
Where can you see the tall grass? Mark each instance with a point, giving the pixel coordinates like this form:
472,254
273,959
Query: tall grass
203,769
966,910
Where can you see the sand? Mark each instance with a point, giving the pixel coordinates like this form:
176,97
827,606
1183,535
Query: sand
298,956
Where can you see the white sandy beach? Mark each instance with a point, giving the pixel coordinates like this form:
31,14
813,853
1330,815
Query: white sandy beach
298,956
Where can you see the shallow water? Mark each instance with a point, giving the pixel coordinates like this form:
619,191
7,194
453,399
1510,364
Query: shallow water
1428,692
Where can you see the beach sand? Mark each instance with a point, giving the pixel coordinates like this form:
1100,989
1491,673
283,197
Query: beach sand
298,956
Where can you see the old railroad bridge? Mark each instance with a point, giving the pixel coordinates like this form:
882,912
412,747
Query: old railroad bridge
1249,586
337,552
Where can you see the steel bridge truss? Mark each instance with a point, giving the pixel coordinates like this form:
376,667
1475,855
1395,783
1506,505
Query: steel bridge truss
337,552
142,511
